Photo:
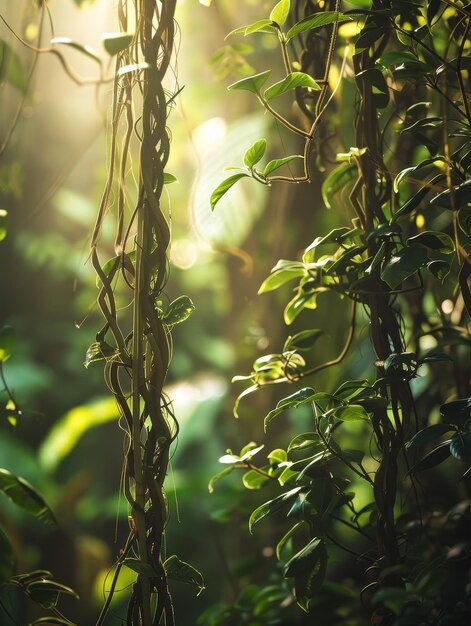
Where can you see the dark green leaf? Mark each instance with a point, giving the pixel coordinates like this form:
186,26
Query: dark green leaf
251,83
223,187
46,592
47,621
284,540
7,341
323,18
308,568
116,42
433,458
440,269
271,166
24,496
292,81
436,356
457,412
178,311
303,396
255,153
427,435
435,240
7,558
417,198
302,341
84,49
336,181
460,446
140,567
184,572
280,12
267,508
461,197
12,69
403,264
98,351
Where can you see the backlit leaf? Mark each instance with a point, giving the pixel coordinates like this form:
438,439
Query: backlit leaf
178,311
255,153
84,49
271,166
280,12
317,20
435,240
25,496
292,81
177,569
224,187
251,83
336,181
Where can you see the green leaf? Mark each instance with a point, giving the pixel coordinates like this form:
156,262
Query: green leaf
461,197
255,153
440,269
260,26
302,300
308,568
214,479
184,572
277,456
457,412
178,311
433,458
46,592
7,558
24,495
351,413
4,223
280,12
435,240
303,396
403,264
282,273
267,508
303,341
7,341
292,81
47,621
140,567
84,49
169,179
286,537
436,356
417,198
271,166
304,440
317,20
98,351
336,181
251,83
224,187
254,480
12,69
460,446
427,435
116,42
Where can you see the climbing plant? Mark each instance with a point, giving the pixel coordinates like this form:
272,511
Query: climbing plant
379,482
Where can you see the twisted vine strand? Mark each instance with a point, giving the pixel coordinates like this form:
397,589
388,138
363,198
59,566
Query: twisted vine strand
144,351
